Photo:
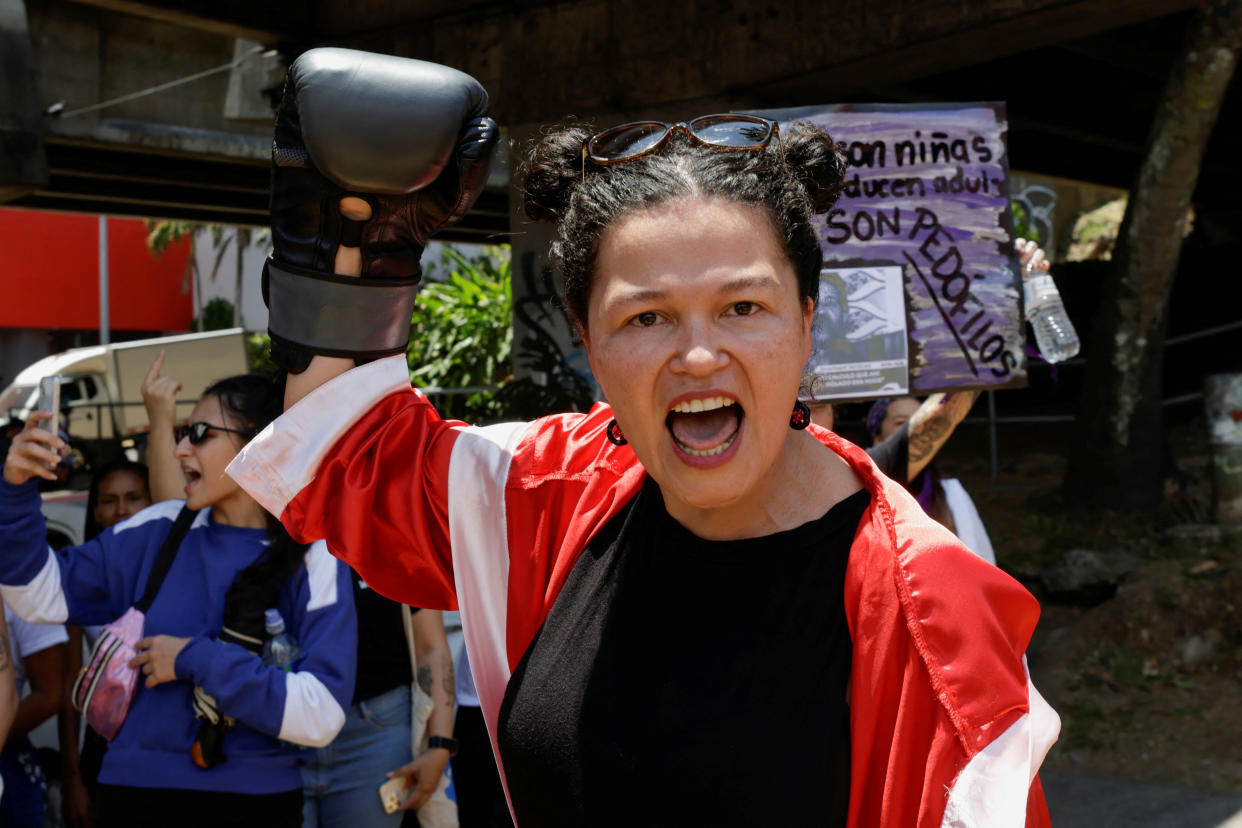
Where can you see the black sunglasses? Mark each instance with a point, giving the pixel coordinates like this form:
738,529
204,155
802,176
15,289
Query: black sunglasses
197,432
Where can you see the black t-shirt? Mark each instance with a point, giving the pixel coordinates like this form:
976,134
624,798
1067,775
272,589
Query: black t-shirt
892,456
383,654
678,681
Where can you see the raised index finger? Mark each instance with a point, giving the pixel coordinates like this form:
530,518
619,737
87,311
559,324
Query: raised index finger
155,368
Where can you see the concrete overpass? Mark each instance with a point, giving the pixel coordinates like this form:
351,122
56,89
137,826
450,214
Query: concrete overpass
1081,78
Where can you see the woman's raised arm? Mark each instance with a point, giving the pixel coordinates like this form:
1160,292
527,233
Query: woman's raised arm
372,155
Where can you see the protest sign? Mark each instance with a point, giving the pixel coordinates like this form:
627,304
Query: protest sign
926,206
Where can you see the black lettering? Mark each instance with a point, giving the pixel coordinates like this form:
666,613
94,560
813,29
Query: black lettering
1008,361
944,273
903,187
876,188
955,183
851,188
969,322
854,154
980,145
869,155
974,339
931,241
892,219
957,297
840,226
941,184
996,342
973,185
858,231
925,219
958,150
901,148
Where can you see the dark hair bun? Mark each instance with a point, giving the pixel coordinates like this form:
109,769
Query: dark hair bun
554,167
816,160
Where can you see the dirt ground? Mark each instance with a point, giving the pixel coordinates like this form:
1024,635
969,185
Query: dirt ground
1148,683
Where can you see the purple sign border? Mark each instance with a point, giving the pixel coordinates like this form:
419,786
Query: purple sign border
963,332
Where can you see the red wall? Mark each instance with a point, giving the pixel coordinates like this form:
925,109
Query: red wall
49,274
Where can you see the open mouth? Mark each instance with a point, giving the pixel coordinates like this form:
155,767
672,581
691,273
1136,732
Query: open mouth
706,427
191,477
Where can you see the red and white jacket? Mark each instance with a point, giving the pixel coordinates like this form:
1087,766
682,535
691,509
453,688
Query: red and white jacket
946,728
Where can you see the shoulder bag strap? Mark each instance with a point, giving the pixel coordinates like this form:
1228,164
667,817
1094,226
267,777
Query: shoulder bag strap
164,559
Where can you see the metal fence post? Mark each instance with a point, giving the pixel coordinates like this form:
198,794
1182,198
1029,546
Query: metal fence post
992,433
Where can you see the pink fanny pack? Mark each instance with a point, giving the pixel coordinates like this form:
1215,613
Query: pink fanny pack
106,685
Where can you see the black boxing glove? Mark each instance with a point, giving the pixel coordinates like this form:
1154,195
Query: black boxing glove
410,138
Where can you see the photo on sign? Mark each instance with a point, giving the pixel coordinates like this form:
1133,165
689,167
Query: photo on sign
859,334
926,189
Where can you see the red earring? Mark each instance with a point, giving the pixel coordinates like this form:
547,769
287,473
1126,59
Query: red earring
801,417
617,438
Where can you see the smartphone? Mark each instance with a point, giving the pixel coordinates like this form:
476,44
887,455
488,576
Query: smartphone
49,400
395,793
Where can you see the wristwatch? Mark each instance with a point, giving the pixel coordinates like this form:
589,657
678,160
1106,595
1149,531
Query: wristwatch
443,742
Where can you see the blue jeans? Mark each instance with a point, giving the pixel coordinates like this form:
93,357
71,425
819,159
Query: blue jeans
25,789
340,782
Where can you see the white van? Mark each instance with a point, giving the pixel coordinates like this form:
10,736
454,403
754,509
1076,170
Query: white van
102,384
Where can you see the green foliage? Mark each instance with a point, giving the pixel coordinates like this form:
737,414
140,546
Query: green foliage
461,336
258,354
216,316
561,389
462,333
161,234
1022,228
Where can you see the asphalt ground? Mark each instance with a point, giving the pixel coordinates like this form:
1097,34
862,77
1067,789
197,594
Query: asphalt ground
1084,801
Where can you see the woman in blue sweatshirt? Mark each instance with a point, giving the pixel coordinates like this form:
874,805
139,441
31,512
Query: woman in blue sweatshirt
234,562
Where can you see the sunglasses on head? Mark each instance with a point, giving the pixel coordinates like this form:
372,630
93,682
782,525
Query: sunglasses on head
724,133
198,432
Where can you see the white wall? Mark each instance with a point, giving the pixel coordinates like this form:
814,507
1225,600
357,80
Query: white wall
224,285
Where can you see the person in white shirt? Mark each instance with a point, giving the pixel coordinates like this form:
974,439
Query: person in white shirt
38,654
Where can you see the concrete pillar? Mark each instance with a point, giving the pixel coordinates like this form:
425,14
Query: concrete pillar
23,163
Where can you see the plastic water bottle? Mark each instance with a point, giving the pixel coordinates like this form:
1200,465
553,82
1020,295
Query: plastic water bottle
279,650
1055,334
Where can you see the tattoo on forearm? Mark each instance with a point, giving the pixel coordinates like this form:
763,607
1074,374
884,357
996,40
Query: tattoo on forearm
931,425
925,440
424,679
449,682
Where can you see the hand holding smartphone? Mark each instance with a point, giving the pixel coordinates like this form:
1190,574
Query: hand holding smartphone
49,400
395,793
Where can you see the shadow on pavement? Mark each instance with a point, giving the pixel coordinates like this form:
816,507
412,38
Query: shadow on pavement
1084,801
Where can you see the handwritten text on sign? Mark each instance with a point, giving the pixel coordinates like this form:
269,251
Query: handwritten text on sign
926,189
